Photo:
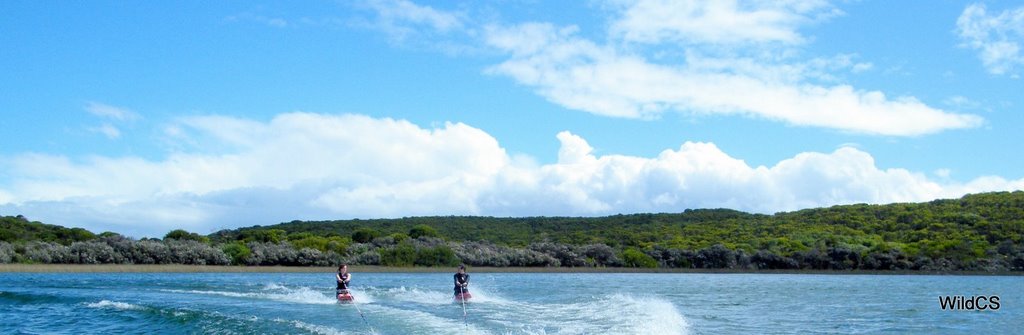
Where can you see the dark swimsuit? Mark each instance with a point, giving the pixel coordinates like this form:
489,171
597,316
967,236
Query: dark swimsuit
461,278
342,286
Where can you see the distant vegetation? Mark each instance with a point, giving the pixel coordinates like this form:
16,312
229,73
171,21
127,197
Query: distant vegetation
982,232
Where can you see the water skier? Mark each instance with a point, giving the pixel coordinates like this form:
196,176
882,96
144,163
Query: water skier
343,278
462,284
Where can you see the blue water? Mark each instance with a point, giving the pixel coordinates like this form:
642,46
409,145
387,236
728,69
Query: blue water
504,303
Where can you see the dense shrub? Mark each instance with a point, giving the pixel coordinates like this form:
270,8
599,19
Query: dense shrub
715,257
152,252
764,259
46,252
600,255
93,253
311,257
402,254
564,253
196,253
365,235
6,253
637,259
182,235
399,237
440,255
237,251
489,254
263,235
1017,262
266,253
672,257
422,230
382,242
369,257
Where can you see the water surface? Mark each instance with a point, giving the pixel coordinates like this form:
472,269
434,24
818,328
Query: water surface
504,303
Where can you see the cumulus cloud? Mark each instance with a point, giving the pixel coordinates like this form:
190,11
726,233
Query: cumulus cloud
579,74
996,37
314,166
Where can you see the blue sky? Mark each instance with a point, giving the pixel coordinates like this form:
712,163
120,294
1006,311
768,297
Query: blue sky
145,117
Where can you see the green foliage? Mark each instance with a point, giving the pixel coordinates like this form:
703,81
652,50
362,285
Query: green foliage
237,251
405,253
440,255
338,244
365,235
182,235
963,230
312,242
402,254
979,232
20,229
300,236
263,235
422,230
638,259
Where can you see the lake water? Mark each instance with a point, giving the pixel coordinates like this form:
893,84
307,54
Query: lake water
504,303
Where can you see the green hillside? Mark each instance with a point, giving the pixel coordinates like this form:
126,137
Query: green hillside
964,228
982,232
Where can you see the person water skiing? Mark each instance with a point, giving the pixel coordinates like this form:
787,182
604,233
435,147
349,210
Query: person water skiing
343,278
462,284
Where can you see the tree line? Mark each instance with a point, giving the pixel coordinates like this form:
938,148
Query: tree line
982,232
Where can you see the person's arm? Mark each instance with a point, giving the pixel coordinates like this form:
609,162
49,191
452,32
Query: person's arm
349,278
337,276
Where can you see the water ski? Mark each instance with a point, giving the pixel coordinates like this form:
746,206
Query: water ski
465,296
345,297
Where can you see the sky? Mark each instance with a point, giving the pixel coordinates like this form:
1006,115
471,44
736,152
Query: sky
144,117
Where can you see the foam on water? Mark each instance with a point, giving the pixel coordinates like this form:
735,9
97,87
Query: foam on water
417,295
483,295
360,296
616,313
651,315
114,305
316,329
301,295
274,286
421,321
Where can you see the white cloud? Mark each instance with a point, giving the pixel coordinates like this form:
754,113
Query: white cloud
717,22
997,38
402,18
5,197
962,103
313,166
111,112
579,74
861,67
108,130
617,79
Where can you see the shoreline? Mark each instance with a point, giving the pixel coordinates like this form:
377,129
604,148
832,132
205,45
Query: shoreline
179,268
